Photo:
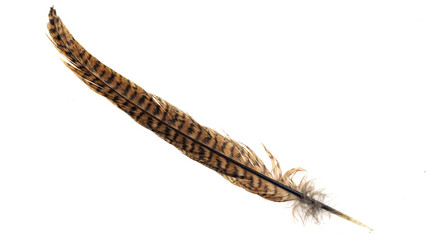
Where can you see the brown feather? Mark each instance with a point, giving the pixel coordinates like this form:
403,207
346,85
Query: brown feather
236,162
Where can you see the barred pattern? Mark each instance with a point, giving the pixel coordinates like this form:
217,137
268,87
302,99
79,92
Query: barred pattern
236,162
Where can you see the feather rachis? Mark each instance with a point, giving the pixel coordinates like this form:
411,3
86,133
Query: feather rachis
236,162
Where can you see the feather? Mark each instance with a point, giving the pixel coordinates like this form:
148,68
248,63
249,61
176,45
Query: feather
234,161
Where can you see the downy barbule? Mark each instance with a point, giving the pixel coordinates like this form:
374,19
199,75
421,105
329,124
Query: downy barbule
233,160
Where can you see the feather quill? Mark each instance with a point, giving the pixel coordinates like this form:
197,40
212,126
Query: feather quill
234,161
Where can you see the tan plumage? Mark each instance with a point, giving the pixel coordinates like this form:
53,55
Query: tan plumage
234,161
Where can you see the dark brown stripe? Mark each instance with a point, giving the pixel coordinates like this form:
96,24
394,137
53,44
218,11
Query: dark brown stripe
132,97
147,107
167,132
156,110
139,115
175,135
96,66
111,78
125,93
192,146
142,99
132,111
232,151
150,123
190,129
165,112
199,133
184,143
224,144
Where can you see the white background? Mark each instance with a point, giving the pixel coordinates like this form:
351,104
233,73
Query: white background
336,87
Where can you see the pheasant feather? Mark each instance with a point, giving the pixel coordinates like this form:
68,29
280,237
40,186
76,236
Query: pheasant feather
234,161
